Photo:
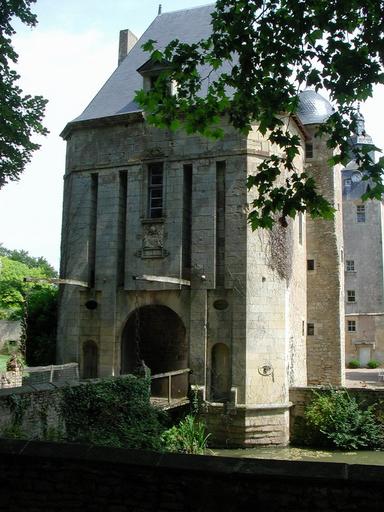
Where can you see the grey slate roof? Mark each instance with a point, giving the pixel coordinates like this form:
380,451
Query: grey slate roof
117,95
313,108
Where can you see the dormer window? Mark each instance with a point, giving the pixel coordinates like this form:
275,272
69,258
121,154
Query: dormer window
151,71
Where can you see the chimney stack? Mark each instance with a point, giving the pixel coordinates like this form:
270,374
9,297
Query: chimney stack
127,41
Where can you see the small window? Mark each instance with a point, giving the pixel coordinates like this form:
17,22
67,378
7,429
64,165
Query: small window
351,325
309,150
350,265
155,191
347,182
351,296
310,329
310,264
360,213
152,81
300,228
302,328
165,85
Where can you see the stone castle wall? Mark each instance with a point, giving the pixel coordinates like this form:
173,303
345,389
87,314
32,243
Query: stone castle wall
325,283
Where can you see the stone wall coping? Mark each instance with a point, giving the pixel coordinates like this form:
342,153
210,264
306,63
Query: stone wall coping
48,386
263,469
251,407
337,388
264,407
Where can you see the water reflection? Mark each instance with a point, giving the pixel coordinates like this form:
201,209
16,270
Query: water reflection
305,454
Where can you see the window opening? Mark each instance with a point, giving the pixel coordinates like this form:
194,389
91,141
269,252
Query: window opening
300,228
155,190
309,150
220,223
350,265
92,231
187,215
310,264
351,325
360,213
310,329
351,296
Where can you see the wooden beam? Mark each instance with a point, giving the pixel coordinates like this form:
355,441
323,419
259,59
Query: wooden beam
54,280
162,279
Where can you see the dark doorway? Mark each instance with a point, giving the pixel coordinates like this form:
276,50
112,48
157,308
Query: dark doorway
156,336
90,360
220,373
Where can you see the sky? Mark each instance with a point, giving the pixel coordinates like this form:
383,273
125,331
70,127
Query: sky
66,58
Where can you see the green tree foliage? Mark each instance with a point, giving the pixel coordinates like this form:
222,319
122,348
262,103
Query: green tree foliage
31,261
33,303
21,115
13,289
261,54
41,327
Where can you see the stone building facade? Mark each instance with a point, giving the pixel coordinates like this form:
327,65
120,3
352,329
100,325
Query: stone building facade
364,259
155,226
325,267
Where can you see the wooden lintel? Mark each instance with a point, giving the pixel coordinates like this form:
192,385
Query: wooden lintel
162,279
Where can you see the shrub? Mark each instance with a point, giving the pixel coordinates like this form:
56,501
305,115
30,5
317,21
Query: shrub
354,363
373,363
113,412
337,420
187,437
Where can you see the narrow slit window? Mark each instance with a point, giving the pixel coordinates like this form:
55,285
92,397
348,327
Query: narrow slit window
155,190
300,228
360,213
309,150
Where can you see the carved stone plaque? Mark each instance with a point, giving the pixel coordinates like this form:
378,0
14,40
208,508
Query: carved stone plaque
153,241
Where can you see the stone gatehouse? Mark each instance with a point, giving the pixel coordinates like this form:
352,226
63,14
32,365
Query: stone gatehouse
155,226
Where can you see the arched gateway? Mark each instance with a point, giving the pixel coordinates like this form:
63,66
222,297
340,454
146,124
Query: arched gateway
155,335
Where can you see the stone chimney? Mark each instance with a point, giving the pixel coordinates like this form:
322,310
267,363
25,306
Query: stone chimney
127,41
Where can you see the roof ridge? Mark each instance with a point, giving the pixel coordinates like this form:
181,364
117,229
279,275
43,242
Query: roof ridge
188,9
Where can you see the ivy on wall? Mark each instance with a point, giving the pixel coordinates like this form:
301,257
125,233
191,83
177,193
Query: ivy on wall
113,412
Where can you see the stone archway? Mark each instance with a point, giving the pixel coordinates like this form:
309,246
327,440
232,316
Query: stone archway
156,335
220,373
90,360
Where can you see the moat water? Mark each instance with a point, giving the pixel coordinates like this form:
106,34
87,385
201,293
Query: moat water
304,454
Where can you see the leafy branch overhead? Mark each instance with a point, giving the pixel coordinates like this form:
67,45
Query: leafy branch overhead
260,54
21,115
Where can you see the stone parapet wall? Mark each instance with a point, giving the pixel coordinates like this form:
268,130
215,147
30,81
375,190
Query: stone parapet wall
61,477
37,407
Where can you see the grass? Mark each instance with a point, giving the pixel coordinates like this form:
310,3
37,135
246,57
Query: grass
3,362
